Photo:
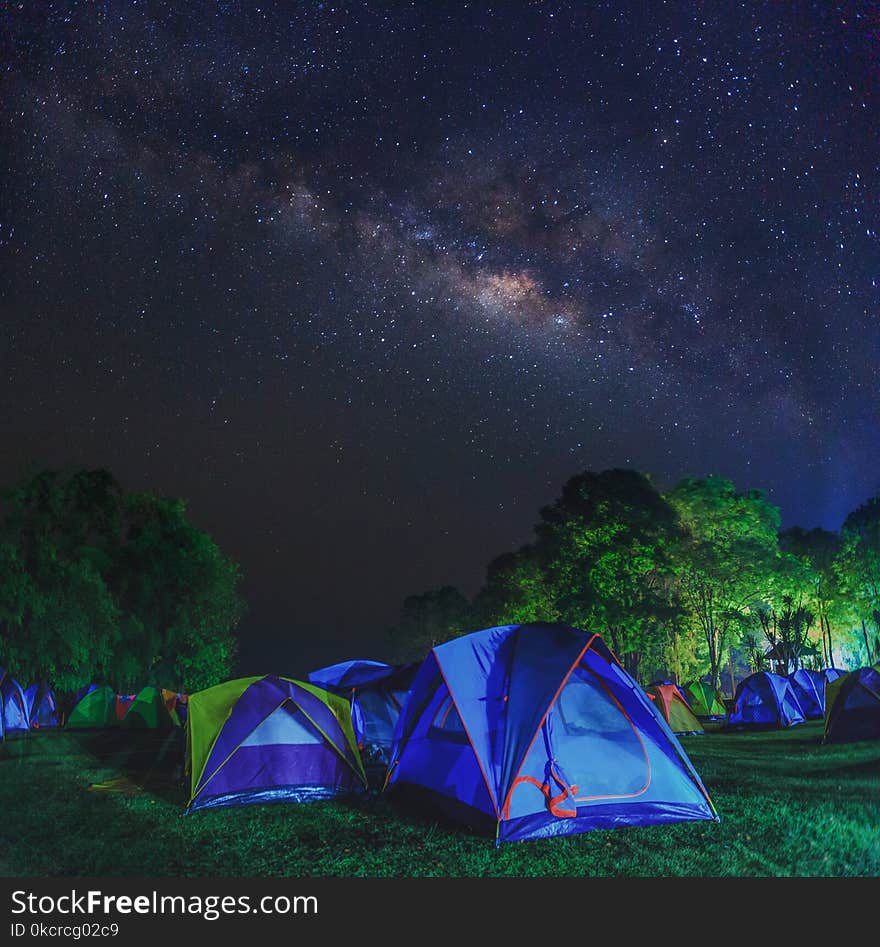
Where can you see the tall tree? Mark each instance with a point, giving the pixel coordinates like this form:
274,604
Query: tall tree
179,590
858,567
430,619
755,651
518,589
786,631
99,584
817,549
725,558
599,561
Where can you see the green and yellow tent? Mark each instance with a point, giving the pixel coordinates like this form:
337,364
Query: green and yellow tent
705,700
269,739
149,711
94,706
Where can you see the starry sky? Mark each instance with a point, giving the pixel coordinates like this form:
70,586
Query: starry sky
366,283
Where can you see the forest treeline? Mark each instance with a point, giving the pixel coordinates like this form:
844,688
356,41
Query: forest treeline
678,582
100,584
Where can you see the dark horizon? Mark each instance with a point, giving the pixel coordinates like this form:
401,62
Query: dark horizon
366,287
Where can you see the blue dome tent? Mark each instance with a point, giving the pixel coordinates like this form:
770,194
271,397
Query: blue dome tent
765,700
377,693
809,688
42,709
13,708
530,731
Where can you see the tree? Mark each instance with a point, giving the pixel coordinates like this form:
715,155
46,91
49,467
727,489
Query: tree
858,566
724,559
786,631
99,584
682,655
599,561
755,652
817,550
178,588
430,619
59,620
518,590
16,597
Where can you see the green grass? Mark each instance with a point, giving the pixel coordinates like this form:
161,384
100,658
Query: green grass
788,805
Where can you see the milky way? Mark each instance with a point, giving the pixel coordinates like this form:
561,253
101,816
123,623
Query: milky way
367,283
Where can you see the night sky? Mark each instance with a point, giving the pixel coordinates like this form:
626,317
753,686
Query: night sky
366,283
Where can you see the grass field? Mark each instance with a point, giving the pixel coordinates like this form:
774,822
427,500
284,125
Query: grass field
788,805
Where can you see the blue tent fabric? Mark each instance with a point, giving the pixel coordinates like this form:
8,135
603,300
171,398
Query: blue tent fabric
13,708
765,700
538,731
348,674
832,674
809,688
42,709
377,693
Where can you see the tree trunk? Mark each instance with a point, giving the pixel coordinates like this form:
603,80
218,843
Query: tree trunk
867,643
631,662
615,642
713,655
826,636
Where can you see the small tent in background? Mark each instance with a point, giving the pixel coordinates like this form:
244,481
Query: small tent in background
269,739
13,707
678,687
42,709
123,702
94,706
531,731
149,711
181,704
377,693
175,704
809,688
765,700
832,674
668,700
705,700
852,707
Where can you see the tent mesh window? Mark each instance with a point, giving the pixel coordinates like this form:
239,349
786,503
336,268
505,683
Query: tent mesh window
752,705
597,740
447,725
286,725
379,716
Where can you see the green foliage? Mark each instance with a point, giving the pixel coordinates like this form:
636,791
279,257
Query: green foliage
818,586
430,619
676,583
518,589
725,560
96,584
786,632
857,567
600,561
